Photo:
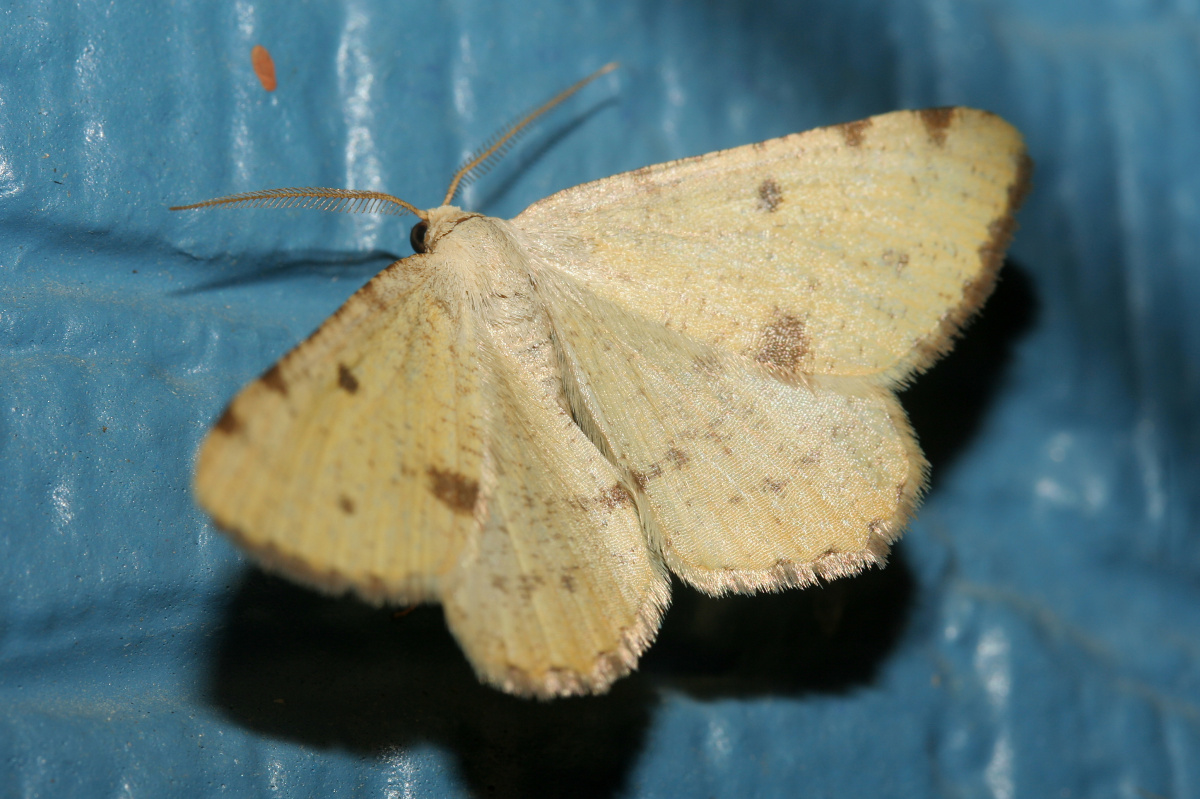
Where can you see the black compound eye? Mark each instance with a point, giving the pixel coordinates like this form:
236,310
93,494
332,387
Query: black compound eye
416,236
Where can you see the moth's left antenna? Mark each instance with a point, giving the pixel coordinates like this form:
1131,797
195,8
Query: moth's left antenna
350,201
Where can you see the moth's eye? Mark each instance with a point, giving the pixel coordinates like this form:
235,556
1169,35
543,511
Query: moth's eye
417,235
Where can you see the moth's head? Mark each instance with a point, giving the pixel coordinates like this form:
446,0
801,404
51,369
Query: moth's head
425,235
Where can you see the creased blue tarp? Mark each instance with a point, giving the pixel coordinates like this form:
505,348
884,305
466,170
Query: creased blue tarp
1037,632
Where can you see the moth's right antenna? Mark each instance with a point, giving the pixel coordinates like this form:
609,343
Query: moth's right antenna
494,149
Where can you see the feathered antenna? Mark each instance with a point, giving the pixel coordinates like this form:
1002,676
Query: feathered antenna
350,201
483,159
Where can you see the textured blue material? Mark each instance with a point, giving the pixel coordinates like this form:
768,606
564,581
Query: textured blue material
1037,632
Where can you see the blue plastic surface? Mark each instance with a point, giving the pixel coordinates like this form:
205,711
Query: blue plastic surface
1038,630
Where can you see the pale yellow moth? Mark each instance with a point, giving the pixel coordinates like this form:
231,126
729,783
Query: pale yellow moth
688,368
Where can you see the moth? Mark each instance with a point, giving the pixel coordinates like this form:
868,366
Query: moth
688,369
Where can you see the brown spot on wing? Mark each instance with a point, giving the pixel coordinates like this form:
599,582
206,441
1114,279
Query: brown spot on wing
568,583
346,504
769,195
678,458
229,423
774,486
854,132
937,122
273,379
527,584
642,479
783,342
454,490
616,497
346,379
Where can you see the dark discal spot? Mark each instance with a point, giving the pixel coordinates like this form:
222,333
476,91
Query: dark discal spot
854,132
346,379
895,259
500,584
346,504
568,583
769,195
273,379
453,489
783,341
229,423
677,458
639,479
937,122
736,498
